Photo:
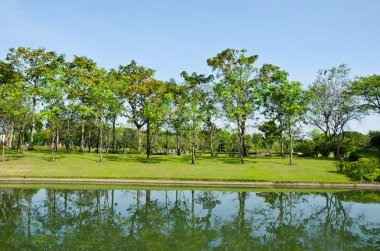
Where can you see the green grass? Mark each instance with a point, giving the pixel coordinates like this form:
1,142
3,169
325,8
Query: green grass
85,165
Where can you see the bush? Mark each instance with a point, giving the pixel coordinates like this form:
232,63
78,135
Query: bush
354,156
365,169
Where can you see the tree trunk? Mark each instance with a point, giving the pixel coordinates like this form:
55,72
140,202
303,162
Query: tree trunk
290,146
21,140
211,145
100,145
178,144
81,148
98,141
139,140
14,138
3,150
89,140
114,134
241,143
193,149
282,145
52,145
30,147
325,152
167,142
56,139
148,150
67,140
10,137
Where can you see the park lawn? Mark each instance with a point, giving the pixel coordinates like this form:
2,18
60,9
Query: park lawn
37,164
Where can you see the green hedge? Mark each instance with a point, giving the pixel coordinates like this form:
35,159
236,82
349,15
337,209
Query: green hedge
365,169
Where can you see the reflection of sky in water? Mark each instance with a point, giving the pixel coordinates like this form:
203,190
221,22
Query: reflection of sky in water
308,210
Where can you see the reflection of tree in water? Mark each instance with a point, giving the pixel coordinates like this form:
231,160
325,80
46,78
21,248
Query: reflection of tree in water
180,220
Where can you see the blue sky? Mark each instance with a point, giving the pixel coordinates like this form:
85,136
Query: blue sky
171,36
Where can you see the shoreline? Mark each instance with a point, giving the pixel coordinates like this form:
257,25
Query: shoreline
189,183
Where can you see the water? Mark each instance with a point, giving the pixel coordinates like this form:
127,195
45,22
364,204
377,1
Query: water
52,219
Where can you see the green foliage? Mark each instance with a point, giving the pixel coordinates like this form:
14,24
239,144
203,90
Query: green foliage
354,156
368,89
365,169
374,139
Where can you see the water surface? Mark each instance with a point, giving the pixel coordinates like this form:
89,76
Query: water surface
53,219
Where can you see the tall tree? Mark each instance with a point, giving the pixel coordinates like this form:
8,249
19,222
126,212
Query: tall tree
116,106
12,102
284,101
82,72
368,89
136,76
157,100
237,89
53,95
34,65
273,78
101,99
332,105
195,105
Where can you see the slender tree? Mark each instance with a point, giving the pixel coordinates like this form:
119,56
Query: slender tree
237,89
34,65
82,73
135,76
195,105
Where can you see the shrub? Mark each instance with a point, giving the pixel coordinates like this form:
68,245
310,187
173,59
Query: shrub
354,156
365,169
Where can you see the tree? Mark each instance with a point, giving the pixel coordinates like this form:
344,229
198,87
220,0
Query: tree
154,107
284,102
34,65
81,74
272,133
332,106
135,76
195,105
12,102
368,89
116,107
237,89
101,99
273,78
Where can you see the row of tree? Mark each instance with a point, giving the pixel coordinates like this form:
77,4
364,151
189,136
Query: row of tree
41,89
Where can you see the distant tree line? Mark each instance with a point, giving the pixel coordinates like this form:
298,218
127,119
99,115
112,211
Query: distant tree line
48,100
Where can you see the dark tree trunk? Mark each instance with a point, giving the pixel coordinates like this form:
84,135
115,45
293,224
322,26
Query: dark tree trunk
56,139
53,147
3,150
211,145
193,148
100,145
178,144
241,143
114,134
290,146
282,145
148,150
167,142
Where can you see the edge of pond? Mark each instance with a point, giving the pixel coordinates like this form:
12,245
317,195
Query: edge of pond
187,183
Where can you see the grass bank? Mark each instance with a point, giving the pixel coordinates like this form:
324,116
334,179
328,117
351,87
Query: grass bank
36,164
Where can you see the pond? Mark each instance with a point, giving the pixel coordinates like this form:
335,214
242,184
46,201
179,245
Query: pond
141,219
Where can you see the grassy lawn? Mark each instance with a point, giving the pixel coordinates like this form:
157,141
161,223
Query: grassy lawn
129,166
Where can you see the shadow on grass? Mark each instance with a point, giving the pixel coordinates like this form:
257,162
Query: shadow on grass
139,158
